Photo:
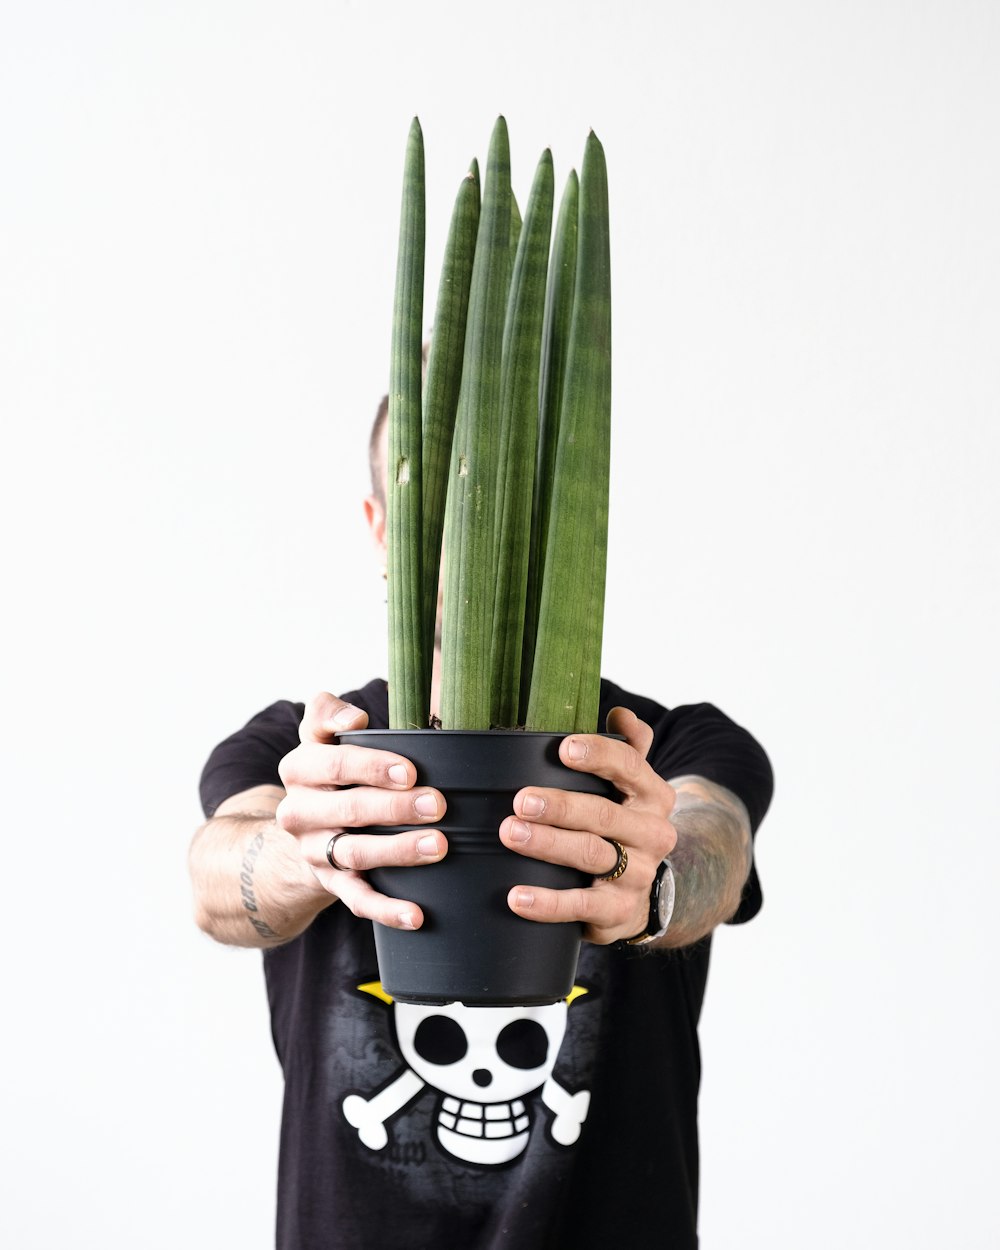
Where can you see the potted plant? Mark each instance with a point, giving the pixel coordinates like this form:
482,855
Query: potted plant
505,454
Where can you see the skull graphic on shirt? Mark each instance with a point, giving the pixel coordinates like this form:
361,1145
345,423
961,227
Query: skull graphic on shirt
483,1062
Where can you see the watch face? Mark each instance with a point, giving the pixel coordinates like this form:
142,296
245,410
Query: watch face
665,896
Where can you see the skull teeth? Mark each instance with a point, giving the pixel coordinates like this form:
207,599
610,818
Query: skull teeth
476,1119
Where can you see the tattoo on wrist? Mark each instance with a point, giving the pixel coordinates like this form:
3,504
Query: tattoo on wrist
711,824
246,888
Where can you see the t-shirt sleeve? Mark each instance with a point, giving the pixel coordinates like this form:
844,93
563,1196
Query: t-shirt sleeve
700,740
250,757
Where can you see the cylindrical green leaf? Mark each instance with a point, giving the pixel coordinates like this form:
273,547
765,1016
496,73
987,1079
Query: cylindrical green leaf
469,517
409,675
565,689
518,443
555,341
515,229
444,376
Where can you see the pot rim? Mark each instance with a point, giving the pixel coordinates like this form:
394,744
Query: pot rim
482,733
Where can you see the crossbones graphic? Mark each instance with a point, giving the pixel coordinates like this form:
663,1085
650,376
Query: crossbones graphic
483,1062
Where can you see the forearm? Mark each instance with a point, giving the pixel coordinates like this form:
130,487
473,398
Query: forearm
711,860
251,885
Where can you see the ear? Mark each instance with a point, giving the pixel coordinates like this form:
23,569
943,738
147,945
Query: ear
375,516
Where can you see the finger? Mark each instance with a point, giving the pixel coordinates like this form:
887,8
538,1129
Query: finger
570,809
320,764
622,763
572,848
622,720
358,852
361,897
305,809
326,715
606,912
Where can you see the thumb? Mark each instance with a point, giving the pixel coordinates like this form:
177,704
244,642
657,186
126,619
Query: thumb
635,731
326,716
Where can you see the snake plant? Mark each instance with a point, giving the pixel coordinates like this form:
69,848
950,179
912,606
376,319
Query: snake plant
505,454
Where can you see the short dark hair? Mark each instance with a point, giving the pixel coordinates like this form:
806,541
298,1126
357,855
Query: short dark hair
375,450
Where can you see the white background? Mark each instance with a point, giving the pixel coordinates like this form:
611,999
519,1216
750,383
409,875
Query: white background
198,216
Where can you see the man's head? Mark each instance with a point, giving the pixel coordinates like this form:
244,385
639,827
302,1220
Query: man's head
378,449
378,454
378,458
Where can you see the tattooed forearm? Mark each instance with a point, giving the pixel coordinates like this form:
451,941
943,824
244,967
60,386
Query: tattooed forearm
246,888
252,886
711,859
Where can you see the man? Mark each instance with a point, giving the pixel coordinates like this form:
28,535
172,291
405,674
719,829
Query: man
569,1125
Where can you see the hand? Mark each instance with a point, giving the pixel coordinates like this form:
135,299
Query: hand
564,827
316,806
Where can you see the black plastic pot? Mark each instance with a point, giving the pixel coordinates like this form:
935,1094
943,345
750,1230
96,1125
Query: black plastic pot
471,947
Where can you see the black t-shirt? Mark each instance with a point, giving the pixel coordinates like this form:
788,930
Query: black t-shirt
375,1150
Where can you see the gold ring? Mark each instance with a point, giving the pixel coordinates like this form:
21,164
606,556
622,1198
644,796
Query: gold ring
621,864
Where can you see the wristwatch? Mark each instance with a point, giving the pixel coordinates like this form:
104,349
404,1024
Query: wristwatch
661,906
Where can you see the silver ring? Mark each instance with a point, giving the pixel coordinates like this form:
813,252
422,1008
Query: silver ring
620,865
331,859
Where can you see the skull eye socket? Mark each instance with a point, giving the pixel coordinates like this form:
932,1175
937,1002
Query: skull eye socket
440,1040
523,1044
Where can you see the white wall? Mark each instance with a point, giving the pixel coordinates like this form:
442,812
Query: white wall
197,241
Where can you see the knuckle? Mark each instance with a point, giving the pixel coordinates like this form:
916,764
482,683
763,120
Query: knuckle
608,816
287,767
316,706
349,809
356,906
369,766
286,816
333,765
317,710
658,837
579,904
633,763
553,906
400,810
354,854
595,853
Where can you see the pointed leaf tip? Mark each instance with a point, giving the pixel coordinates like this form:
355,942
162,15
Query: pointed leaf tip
593,144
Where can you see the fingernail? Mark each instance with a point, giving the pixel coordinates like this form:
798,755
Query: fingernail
532,805
346,716
577,750
425,805
518,831
405,919
397,773
428,845
524,898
